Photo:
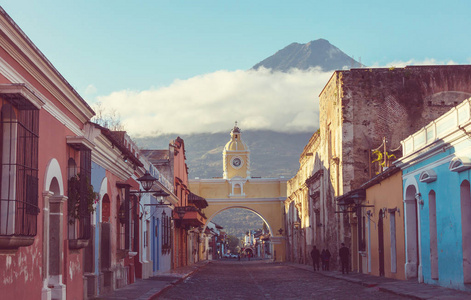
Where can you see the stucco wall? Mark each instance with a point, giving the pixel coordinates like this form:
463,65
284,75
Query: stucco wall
387,194
449,220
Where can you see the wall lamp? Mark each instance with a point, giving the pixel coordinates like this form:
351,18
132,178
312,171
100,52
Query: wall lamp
419,199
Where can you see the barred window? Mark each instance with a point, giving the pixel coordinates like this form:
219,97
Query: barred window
124,214
80,193
166,233
19,130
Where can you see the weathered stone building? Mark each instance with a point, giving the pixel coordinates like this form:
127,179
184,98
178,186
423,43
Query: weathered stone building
358,109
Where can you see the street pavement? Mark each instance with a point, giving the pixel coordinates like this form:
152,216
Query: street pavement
256,279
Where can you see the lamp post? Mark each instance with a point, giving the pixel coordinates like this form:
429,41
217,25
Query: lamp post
147,181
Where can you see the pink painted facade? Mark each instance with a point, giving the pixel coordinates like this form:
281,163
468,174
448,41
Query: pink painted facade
37,259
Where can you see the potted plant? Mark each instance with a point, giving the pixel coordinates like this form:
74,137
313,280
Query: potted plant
81,200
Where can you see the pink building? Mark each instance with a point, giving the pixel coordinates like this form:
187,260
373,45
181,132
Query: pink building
42,231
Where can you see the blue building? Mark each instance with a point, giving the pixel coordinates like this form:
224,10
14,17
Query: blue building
436,166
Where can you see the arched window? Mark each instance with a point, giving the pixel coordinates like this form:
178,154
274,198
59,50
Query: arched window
106,209
432,211
237,189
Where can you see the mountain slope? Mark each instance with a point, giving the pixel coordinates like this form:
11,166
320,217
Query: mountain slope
319,53
272,154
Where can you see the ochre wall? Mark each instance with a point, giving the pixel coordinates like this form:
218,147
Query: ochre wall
387,194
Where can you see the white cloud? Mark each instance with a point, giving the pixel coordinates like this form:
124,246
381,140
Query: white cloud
258,99
90,90
414,62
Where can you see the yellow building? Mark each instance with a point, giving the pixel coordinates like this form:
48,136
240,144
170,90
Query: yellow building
237,189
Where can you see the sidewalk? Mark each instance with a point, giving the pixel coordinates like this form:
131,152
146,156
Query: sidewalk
406,288
145,289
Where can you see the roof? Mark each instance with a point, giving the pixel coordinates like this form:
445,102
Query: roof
156,155
198,201
118,142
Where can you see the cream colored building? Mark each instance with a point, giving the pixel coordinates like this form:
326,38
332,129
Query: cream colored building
237,189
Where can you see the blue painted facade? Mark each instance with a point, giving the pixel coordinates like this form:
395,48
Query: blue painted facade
428,172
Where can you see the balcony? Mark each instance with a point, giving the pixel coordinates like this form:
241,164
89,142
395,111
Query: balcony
189,216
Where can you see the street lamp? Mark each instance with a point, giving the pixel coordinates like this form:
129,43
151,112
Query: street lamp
147,181
161,194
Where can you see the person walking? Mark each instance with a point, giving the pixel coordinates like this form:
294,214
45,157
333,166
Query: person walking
344,254
323,261
315,255
327,259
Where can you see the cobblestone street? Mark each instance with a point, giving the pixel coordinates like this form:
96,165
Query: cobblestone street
261,280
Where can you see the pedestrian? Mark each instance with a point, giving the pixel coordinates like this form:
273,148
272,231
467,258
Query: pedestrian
327,259
323,260
315,255
344,254
238,257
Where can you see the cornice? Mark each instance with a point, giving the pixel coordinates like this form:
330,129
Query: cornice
315,177
245,201
25,53
14,77
110,158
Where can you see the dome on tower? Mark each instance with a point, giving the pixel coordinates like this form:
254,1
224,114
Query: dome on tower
236,143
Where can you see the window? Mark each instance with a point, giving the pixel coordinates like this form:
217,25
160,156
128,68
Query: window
19,130
124,216
80,195
122,236
166,233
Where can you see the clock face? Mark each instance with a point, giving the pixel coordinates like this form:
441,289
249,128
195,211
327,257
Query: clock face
236,162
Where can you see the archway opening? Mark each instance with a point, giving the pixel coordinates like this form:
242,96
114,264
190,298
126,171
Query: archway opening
412,232
247,234
465,195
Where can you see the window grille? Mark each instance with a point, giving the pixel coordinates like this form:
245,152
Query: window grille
19,129
79,208
166,234
124,214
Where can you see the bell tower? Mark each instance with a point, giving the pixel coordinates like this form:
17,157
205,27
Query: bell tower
236,156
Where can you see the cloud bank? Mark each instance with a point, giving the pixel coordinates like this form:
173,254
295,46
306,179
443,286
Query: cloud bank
257,99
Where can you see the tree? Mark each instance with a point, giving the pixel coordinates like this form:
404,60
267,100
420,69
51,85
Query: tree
107,118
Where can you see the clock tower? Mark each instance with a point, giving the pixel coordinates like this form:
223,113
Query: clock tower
236,157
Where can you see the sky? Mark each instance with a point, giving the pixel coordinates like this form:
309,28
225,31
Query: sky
184,66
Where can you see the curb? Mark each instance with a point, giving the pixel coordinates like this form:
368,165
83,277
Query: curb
179,280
